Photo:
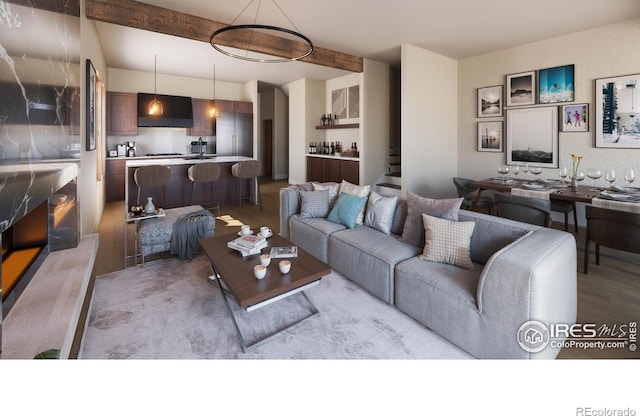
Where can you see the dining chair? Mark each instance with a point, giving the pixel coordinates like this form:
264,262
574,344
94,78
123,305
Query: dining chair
566,207
465,190
611,228
524,209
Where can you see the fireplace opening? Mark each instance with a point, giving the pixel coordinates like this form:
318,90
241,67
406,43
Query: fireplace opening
23,245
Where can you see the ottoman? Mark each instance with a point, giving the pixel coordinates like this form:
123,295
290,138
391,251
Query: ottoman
154,235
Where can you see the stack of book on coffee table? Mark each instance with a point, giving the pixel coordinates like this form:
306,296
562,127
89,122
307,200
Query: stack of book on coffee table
248,245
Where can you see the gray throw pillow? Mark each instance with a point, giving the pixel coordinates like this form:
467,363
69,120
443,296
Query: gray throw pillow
380,210
413,232
314,204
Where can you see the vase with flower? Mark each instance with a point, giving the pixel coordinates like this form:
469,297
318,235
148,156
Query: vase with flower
576,175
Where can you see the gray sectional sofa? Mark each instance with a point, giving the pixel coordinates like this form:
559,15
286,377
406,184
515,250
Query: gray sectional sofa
522,273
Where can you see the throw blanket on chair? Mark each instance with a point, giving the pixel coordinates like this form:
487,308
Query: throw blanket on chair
187,231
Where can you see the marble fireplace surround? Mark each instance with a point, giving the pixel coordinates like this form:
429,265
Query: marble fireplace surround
25,185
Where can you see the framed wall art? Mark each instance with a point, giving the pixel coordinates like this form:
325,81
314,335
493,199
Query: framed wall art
339,103
556,85
617,111
91,106
521,89
532,136
490,136
490,101
574,117
354,101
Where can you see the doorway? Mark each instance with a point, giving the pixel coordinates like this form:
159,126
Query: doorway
267,147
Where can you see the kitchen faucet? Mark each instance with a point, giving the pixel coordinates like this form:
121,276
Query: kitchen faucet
200,145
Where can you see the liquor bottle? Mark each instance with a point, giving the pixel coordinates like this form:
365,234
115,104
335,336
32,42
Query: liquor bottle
333,148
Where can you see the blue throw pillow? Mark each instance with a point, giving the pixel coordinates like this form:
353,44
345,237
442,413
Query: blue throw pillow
346,209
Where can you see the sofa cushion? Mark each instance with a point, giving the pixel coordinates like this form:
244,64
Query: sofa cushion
413,231
491,234
399,217
356,190
312,235
346,209
314,204
332,187
447,241
368,257
380,210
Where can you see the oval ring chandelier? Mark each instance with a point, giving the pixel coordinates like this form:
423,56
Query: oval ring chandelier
216,46
214,40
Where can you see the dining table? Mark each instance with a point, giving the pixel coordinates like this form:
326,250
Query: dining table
557,190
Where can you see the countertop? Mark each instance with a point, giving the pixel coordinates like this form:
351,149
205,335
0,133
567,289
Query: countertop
333,157
183,160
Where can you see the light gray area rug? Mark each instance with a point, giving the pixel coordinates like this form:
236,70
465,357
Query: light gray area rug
171,310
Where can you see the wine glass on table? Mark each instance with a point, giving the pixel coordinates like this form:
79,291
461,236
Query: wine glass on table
525,169
515,170
629,176
535,170
610,176
563,173
594,174
503,170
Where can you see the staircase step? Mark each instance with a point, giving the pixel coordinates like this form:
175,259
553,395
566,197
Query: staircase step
389,185
394,174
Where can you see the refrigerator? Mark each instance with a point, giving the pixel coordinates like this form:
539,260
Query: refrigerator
234,129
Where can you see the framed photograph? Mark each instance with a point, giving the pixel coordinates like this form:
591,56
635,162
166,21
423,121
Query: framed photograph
617,112
354,101
574,117
91,106
521,89
556,85
490,136
532,136
490,101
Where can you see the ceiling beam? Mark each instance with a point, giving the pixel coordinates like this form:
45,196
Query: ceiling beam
170,22
71,7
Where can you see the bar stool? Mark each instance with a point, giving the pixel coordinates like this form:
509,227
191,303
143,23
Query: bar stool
205,173
153,176
247,169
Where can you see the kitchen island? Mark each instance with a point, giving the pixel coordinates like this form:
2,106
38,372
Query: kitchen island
179,188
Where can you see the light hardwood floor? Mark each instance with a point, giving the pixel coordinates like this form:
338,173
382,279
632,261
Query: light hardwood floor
609,294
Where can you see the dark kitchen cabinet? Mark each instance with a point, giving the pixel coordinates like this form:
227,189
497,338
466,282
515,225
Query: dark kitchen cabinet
234,128
122,114
322,169
115,179
203,125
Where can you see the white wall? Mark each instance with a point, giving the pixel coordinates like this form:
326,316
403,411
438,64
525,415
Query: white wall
597,53
91,187
429,122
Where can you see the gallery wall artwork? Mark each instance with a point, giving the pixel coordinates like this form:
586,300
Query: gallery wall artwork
490,101
532,136
556,85
617,111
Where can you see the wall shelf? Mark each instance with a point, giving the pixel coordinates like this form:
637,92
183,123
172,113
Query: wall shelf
339,126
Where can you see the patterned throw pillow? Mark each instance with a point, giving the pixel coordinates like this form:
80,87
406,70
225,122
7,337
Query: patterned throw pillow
346,209
314,204
380,210
413,231
356,190
447,241
332,187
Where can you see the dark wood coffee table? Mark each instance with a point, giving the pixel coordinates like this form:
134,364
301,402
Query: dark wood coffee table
234,275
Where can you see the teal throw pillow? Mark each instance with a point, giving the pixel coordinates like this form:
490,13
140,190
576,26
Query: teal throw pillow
346,209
